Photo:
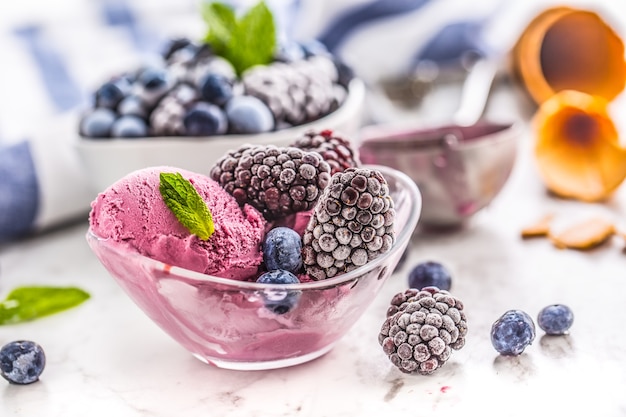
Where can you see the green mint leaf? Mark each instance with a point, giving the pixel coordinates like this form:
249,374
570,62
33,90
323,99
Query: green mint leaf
29,303
222,22
184,201
244,42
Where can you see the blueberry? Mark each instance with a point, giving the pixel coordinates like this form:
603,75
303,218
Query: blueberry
132,106
512,332
216,89
555,319
282,250
430,274
153,78
97,123
22,362
173,45
279,301
129,127
110,94
205,119
248,114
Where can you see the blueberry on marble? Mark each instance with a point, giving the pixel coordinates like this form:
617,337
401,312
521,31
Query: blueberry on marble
22,362
248,115
205,119
216,89
512,332
282,249
555,319
97,123
430,274
129,127
279,300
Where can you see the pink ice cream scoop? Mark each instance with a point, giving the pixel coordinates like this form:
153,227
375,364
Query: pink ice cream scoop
132,212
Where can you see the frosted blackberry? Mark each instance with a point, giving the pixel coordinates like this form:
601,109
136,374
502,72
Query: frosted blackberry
297,92
352,224
277,181
335,149
422,328
167,119
555,319
512,332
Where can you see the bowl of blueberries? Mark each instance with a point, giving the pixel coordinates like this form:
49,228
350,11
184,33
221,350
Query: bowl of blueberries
192,105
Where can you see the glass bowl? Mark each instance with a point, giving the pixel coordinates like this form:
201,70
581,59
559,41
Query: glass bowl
104,161
226,323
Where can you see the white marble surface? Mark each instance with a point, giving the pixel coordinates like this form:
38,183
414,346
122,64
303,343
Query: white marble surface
106,358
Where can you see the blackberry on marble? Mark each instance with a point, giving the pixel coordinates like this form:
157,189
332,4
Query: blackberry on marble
277,181
335,149
296,93
353,223
422,328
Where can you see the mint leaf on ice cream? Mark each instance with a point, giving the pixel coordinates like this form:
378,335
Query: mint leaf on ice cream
183,200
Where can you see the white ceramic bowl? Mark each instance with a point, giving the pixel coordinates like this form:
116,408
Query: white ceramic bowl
107,160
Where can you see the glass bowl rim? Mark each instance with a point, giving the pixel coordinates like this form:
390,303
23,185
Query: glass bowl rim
401,240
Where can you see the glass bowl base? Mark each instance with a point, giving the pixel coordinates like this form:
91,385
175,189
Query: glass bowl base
263,365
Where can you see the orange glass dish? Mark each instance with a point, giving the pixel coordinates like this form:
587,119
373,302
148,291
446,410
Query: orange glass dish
564,48
577,148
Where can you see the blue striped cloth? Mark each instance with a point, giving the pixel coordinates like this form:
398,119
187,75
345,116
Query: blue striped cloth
55,57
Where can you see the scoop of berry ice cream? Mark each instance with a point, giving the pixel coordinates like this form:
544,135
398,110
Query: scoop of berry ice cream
133,213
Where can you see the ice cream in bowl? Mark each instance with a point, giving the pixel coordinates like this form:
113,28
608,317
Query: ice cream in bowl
266,262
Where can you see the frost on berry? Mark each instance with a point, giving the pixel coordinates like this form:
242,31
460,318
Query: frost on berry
350,225
277,181
422,328
336,149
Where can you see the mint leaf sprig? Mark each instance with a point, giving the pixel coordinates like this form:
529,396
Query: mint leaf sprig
183,200
244,41
31,302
